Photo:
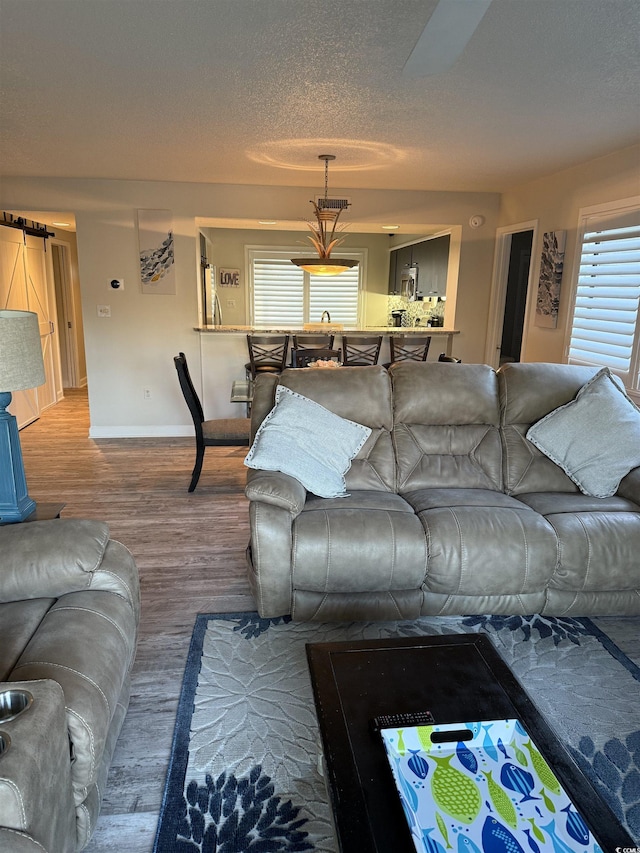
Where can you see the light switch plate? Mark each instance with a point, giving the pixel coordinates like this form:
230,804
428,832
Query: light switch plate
104,310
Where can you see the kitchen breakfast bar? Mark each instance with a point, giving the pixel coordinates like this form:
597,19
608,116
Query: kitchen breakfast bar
223,351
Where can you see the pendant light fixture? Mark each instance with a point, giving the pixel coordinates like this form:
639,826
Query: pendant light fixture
327,212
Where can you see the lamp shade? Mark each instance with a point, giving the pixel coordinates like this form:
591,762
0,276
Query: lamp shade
21,364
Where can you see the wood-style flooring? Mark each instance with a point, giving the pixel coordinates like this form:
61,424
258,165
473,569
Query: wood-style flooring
190,552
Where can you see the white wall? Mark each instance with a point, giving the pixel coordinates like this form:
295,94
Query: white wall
133,349
555,202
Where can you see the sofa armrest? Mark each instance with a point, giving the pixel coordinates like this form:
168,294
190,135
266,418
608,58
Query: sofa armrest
47,559
277,489
37,811
630,486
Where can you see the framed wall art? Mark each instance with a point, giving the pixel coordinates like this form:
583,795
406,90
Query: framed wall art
155,241
229,278
551,265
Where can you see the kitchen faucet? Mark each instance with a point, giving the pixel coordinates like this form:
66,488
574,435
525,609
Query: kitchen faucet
328,316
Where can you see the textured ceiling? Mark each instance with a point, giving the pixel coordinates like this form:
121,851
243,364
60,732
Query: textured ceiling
251,91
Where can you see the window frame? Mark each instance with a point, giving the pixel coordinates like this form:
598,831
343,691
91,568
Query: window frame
594,218
255,252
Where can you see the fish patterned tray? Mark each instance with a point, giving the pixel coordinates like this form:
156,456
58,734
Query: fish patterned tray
487,791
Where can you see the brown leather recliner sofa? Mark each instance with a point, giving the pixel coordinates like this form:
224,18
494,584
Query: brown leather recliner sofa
451,510
69,611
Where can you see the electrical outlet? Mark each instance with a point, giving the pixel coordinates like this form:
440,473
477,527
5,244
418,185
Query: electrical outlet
104,310
231,303
146,393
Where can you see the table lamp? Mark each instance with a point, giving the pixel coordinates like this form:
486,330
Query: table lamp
21,367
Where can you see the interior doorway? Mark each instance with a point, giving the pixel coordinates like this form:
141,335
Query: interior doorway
69,333
516,297
509,310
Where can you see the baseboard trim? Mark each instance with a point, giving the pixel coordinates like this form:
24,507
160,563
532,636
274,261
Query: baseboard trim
141,432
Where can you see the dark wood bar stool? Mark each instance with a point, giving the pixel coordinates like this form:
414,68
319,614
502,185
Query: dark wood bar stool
267,354
307,355
318,341
300,342
361,351
409,347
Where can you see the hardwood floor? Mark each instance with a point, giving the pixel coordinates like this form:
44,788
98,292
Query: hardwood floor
189,549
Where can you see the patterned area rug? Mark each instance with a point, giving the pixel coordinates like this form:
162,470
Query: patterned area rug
244,773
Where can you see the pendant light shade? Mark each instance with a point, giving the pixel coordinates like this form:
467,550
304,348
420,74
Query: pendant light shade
324,230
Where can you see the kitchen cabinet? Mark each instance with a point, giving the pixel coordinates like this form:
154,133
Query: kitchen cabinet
430,257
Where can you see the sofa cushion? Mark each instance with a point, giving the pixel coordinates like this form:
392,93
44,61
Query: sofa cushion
595,438
86,642
363,395
301,438
528,392
446,426
481,542
366,542
19,621
548,503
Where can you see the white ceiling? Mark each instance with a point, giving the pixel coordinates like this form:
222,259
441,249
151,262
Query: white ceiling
251,91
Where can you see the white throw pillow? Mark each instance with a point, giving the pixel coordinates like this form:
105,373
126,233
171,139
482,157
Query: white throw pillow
595,438
301,438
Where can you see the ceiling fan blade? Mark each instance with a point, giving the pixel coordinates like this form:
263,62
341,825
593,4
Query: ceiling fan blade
445,36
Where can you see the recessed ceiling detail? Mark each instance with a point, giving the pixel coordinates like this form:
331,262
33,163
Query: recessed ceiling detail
301,154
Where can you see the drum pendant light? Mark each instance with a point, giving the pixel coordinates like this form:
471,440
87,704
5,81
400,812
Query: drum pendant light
324,229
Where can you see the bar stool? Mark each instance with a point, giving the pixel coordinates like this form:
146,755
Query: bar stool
267,354
300,342
408,348
361,351
307,355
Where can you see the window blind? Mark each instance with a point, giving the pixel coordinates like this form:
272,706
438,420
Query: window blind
278,293
285,295
605,326
337,294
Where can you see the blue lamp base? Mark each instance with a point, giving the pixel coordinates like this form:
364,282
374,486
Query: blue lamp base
15,503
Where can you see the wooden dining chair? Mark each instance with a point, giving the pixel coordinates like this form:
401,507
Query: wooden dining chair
226,432
409,347
267,354
361,351
307,355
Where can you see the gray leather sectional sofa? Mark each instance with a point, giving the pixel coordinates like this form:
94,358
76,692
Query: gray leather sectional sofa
450,510
69,610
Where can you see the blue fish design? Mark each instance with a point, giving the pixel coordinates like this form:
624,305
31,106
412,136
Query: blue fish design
466,757
558,844
532,843
407,789
474,728
520,729
466,845
488,745
518,780
496,838
576,827
503,749
417,764
431,845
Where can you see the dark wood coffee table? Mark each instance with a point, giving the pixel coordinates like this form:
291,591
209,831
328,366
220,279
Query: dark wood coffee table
458,678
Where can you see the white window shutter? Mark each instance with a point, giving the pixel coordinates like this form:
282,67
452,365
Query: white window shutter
284,295
606,314
278,293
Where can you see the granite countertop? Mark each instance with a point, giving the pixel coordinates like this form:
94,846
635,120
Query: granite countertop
368,330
